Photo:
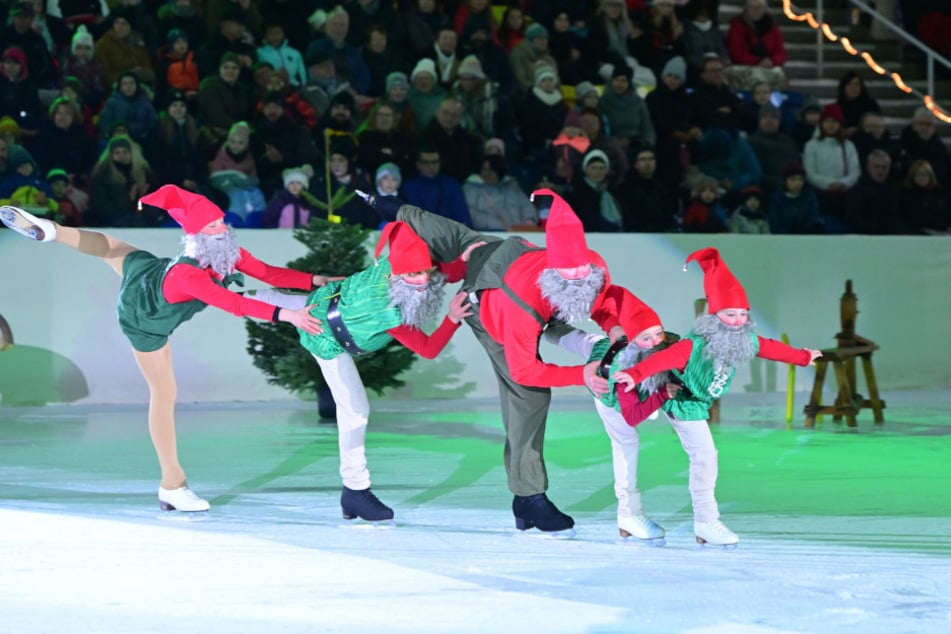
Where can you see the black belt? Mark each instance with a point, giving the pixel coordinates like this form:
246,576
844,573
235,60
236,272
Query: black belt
604,370
339,329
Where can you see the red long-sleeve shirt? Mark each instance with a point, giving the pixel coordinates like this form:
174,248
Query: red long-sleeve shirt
633,410
429,346
741,38
518,331
184,283
676,356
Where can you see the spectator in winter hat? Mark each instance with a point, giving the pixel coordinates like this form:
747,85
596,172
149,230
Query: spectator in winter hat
388,179
531,53
425,94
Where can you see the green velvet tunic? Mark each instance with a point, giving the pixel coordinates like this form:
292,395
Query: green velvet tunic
145,316
700,378
364,306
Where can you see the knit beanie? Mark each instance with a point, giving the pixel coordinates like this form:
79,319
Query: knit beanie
595,155
396,78
832,111
542,72
535,30
82,36
57,174
389,169
675,66
424,65
471,67
297,175
583,89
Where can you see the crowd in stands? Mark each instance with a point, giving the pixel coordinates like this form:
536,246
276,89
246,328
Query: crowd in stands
647,115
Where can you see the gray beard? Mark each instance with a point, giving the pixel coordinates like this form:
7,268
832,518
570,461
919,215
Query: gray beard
419,305
632,354
219,252
726,347
571,299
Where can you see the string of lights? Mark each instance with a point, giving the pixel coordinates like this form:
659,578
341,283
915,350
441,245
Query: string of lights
844,42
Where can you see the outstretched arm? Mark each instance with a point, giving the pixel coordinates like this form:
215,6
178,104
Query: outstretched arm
447,239
673,358
276,275
429,346
779,351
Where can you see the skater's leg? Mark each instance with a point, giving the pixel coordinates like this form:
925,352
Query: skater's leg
291,301
97,244
157,369
446,238
579,342
697,441
353,411
625,446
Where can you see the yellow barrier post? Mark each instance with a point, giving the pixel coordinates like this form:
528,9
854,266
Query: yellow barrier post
790,387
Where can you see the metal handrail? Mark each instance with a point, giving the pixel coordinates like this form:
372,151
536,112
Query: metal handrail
908,37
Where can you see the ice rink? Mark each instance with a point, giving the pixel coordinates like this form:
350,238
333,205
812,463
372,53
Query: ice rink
842,530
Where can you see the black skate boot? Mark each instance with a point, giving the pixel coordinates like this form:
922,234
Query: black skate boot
365,505
537,511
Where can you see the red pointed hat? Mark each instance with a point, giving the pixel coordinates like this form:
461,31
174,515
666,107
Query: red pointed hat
634,315
408,252
565,243
720,286
192,211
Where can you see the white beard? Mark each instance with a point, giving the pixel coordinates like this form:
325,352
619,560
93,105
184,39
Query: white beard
632,354
571,299
728,347
419,305
219,252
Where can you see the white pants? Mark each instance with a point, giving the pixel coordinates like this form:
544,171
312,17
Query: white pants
353,407
695,437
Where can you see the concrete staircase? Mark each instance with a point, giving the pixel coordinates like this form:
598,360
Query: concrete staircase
805,77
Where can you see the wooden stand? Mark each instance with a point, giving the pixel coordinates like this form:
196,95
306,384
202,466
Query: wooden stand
850,347
698,307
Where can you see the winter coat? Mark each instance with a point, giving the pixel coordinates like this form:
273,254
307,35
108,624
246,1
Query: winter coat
774,152
698,43
286,211
178,73
794,214
115,56
912,148
220,105
497,207
286,57
72,149
459,150
347,60
925,208
745,220
586,201
402,151
828,161
90,74
540,123
441,195
628,116
137,112
648,205
524,59
749,44
873,208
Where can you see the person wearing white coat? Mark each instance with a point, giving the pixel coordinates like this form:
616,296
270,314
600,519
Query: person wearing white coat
832,168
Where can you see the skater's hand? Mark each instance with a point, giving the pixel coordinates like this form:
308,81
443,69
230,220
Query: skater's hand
323,280
813,354
597,385
616,333
625,379
386,206
302,319
459,308
469,249
672,388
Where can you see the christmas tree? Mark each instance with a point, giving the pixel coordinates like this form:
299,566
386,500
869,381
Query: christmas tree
333,249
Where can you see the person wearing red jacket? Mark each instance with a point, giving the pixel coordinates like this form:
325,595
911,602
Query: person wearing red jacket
517,289
756,48
704,361
159,294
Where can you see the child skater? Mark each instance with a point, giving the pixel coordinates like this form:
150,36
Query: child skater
705,361
159,294
622,411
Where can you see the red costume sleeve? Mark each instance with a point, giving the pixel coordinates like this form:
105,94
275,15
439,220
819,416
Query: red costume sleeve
604,313
673,358
185,282
636,411
426,346
454,271
778,351
521,354
274,275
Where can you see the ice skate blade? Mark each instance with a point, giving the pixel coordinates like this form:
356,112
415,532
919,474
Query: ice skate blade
359,523
705,545
627,538
568,533
165,506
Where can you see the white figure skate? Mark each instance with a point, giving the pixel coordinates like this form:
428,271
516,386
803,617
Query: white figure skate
715,533
642,528
181,499
27,224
